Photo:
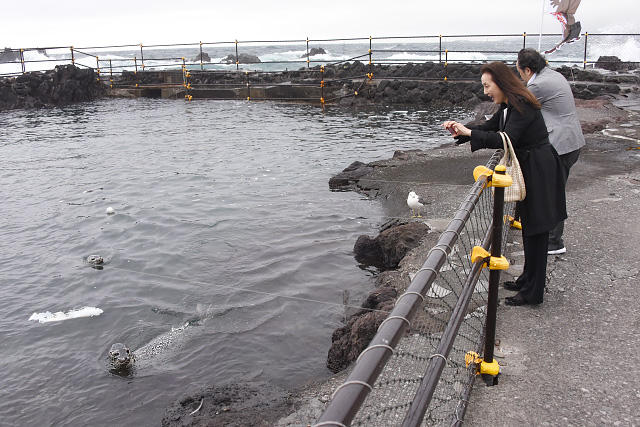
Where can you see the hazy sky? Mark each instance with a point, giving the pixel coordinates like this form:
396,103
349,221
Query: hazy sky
40,23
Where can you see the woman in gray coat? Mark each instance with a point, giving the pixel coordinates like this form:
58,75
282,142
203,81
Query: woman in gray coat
544,206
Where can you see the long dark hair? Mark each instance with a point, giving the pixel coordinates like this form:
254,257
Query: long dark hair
511,86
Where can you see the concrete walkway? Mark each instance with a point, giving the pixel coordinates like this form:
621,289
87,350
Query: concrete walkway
574,359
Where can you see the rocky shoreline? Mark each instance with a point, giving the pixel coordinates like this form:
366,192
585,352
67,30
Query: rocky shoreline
445,176
401,245
606,122
424,85
66,84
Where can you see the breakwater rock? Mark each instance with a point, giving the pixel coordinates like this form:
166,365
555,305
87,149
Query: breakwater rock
63,85
9,55
385,251
424,85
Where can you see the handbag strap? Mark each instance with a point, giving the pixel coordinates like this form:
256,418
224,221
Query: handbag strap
506,157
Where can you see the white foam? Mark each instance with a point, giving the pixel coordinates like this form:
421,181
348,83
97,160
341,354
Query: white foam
627,49
58,316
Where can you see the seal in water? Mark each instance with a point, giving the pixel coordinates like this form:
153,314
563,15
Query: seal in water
121,358
95,261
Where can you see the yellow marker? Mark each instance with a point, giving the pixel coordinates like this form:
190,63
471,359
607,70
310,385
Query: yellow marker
495,263
481,170
492,368
513,223
356,93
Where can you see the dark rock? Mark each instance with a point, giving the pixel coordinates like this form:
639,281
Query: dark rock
62,85
9,55
345,179
611,63
243,58
379,297
349,341
314,51
245,404
204,57
390,246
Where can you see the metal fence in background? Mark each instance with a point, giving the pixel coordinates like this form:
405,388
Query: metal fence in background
115,59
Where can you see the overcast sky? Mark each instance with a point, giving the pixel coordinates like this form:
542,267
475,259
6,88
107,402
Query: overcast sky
45,23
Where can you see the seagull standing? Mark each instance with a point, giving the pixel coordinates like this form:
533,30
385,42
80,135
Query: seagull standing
414,203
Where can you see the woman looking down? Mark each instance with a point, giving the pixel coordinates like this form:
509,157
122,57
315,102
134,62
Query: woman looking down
544,206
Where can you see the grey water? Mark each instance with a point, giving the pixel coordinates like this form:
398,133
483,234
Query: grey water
223,220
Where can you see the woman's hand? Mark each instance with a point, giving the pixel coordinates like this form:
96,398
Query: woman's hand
456,128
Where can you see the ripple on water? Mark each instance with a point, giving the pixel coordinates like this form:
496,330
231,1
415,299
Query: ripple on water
222,214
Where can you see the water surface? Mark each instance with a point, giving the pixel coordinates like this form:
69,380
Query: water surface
223,219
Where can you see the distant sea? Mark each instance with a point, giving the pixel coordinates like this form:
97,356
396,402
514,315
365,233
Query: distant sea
275,56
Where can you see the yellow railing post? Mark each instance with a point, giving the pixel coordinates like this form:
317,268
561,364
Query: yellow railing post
201,66
110,75
446,62
246,73
322,86
73,60
237,60
24,70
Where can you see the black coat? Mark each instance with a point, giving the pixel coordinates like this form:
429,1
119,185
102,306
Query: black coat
545,203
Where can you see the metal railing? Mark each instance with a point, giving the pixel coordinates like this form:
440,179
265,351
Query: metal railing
419,368
439,48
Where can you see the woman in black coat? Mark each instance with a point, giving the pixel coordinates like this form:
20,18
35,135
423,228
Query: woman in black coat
544,206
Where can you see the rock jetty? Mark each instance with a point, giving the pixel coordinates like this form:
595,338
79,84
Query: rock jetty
63,85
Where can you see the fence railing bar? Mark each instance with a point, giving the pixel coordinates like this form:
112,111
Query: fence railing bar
346,402
436,365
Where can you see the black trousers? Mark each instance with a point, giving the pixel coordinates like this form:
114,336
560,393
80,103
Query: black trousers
555,235
534,276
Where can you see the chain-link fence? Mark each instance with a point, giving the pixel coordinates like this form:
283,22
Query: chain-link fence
416,369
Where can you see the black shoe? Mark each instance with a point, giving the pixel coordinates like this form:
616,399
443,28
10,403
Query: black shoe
510,285
574,32
518,299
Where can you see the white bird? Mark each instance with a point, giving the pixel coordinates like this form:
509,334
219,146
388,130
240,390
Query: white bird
414,203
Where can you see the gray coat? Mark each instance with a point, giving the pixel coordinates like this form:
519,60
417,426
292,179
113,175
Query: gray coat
558,109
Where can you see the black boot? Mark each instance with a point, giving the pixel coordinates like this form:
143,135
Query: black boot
574,32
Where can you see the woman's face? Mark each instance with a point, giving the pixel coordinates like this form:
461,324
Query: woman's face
492,90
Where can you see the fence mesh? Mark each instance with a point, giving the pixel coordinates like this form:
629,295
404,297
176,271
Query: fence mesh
395,388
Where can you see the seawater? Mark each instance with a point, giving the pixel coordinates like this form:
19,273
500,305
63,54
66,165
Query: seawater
223,220
278,56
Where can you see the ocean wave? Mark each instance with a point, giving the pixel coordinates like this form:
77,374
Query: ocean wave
58,316
627,50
